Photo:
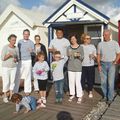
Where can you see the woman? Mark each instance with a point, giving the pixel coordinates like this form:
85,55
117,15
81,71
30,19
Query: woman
76,55
9,58
88,70
39,47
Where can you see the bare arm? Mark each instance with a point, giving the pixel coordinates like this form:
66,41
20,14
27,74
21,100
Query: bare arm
52,50
117,58
98,61
9,55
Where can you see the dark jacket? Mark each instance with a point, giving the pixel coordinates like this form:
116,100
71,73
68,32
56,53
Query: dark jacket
43,49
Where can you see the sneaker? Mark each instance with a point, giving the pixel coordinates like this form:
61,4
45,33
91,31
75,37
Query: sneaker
79,100
5,100
44,100
71,98
90,95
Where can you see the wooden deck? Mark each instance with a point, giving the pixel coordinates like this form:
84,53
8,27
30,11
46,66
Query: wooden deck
113,112
77,111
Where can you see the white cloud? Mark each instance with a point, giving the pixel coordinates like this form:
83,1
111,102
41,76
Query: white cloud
53,3
45,10
107,7
49,6
5,3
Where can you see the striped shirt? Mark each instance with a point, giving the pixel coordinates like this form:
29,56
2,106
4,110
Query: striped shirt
24,102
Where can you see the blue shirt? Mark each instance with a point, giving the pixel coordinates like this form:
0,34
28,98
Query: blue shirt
24,102
24,49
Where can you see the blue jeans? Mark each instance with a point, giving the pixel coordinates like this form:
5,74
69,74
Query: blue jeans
59,89
66,83
33,103
107,79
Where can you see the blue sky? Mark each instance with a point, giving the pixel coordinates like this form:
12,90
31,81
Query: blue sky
111,8
31,3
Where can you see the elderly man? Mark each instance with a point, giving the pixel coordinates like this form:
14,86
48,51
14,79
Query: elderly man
26,48
108,55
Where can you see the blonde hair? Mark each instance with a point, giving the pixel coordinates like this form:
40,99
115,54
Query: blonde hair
83,36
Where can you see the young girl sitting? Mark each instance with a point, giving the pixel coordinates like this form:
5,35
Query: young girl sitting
40,72
57,70
29,102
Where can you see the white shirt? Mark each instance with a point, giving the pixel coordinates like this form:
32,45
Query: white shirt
41,66
88,49
61,45
57,69
108,50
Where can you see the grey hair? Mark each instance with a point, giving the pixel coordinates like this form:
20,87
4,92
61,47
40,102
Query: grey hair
107,30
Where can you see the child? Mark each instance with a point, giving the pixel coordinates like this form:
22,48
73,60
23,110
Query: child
57,70
29,102
40,72
88,70
9,58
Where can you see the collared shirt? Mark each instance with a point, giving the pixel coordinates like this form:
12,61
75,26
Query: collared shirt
24,102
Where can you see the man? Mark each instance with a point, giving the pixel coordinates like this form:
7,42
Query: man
60,44
108,55
26,47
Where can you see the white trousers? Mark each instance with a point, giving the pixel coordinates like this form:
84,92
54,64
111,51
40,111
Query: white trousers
8,78
75,82
35,83
24,72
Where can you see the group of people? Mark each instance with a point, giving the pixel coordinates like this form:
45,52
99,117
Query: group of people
67,57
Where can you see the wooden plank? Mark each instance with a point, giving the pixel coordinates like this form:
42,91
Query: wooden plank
78,111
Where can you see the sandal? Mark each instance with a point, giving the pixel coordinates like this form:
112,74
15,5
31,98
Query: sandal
71,98
79,100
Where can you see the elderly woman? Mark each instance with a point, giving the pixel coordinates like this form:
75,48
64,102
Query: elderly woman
9,58
76,55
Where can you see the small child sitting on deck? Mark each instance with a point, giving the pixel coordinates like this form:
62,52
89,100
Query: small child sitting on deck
29,102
